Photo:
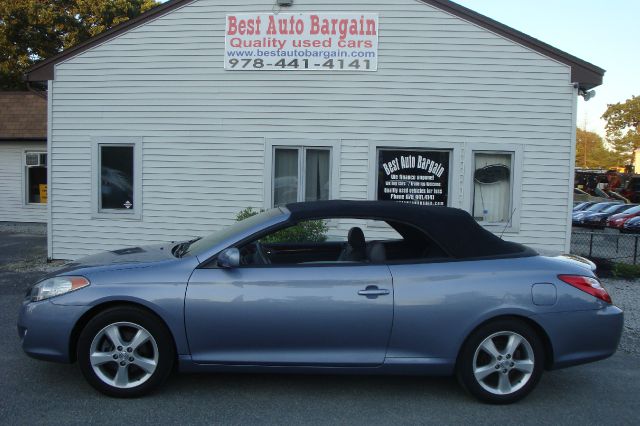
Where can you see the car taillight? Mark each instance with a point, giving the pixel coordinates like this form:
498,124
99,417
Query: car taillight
588,285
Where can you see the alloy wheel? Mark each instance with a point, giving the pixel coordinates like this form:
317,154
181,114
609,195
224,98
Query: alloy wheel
123,355
503,363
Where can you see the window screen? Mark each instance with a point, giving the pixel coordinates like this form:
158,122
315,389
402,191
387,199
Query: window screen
317,179
285,177
301,174
492,187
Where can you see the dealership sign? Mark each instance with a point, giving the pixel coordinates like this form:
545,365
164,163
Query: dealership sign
304,41
414,176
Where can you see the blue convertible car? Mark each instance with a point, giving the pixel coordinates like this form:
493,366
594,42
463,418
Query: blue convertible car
424,291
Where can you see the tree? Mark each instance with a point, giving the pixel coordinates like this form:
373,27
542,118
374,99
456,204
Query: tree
623,127
591,152
34,30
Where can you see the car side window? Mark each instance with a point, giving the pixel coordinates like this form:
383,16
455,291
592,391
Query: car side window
340,241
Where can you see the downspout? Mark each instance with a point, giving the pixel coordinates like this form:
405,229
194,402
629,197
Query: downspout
49,172
572,164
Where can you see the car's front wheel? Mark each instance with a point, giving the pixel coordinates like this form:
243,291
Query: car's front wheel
125,352
501,362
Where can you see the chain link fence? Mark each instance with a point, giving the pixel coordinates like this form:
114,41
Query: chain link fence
606,245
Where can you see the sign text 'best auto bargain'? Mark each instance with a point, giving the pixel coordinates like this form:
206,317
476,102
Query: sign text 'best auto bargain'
303,41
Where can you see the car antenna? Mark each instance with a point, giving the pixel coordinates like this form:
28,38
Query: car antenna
507,225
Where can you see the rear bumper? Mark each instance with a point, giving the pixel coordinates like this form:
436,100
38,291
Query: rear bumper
582,336
45,329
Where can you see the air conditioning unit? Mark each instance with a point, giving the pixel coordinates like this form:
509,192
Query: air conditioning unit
34,159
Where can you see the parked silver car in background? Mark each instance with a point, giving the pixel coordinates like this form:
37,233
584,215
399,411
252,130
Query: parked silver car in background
578,217
443,296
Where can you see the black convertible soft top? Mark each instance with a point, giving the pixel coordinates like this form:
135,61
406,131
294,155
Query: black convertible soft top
453,229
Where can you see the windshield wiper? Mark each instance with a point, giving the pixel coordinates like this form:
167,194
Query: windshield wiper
182,248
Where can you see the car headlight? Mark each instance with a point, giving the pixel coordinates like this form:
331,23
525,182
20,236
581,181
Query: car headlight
55,287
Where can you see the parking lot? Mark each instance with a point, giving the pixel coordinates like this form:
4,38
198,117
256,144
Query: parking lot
35,392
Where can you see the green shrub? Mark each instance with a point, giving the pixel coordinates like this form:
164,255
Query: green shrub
623,270
312,231
246,213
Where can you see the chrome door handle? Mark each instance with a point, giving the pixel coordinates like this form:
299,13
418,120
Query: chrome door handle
372,292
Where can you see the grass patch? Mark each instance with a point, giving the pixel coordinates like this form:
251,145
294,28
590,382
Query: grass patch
623,270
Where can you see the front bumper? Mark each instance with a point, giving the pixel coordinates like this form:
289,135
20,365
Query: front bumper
582,336
45,329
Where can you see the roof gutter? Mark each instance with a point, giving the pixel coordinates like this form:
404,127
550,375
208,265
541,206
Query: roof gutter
23,139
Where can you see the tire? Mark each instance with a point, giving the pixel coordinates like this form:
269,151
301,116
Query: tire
133,352
510,373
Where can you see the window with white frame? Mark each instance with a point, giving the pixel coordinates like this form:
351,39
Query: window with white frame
301,174
493,186
35,177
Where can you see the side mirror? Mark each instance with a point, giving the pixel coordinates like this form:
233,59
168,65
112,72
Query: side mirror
229,258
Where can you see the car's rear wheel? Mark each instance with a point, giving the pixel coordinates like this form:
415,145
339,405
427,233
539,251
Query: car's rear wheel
501,362
125,352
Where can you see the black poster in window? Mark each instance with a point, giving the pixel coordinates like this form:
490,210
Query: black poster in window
413,176
116,181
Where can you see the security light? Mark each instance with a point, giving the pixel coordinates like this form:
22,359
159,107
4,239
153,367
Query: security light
588,95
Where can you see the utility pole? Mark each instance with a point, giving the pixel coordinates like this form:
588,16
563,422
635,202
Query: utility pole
585,153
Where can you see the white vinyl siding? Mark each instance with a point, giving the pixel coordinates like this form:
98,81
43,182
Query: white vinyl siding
13,197
441,83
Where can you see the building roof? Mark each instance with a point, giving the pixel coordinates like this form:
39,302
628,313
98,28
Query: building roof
584,73
453,229
23,116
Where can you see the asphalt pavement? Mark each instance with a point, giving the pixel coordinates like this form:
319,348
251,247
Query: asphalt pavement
36,392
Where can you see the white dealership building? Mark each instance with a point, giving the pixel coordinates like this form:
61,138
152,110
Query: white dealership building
165,127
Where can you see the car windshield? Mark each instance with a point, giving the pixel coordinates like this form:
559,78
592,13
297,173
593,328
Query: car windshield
586,206
579,207
633,210
616,208
598,207
204,244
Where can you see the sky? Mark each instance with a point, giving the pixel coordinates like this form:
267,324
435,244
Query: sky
603,32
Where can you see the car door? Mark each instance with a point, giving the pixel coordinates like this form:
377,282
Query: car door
318,315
